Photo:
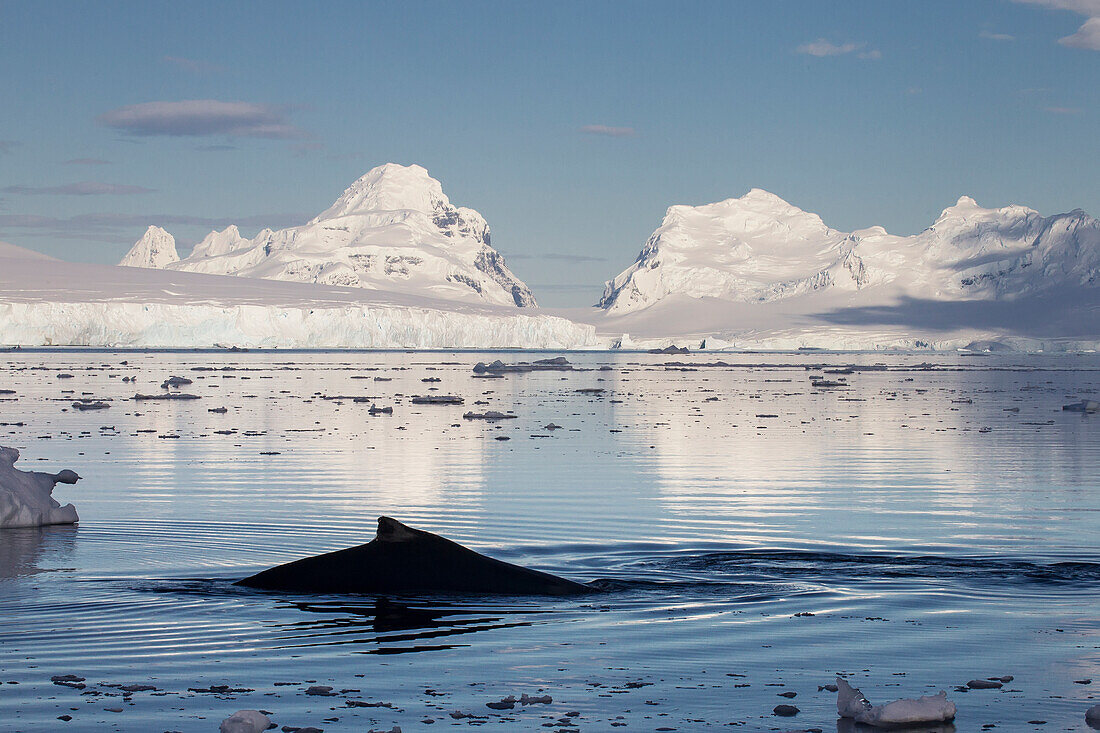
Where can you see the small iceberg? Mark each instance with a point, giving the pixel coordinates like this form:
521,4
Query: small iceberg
25,499
850,703
245,721
488,415
1082,406
443,399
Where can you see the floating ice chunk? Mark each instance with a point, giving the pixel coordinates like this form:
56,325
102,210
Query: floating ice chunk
850,703
25,499
245,721
488,415
1092,716
1083,406
443,399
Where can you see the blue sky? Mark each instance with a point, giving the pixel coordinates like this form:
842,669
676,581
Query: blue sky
571,126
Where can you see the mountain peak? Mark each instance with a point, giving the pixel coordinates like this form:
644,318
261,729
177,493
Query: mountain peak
389,187
155,249
759,195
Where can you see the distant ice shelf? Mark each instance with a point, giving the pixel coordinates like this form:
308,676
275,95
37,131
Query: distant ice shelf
68,304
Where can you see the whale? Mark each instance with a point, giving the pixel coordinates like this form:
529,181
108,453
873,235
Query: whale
404,560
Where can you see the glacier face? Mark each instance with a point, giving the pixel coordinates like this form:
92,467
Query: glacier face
70,304
393,229
761,249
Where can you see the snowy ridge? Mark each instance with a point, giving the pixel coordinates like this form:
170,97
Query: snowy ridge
393,229
760,249
71,304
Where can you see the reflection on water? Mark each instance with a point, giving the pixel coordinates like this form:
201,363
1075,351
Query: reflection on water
387,626
844,725
925,526
32,550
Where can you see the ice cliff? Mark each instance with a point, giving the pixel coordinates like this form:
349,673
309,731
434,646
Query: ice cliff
64,303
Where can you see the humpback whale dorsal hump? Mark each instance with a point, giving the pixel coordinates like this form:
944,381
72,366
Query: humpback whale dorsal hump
390,530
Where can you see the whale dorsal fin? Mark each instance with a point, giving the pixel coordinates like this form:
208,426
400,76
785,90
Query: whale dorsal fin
390,530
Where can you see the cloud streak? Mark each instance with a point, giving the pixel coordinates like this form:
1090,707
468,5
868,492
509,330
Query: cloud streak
989,35
608,131
1088,35
558,256
822,48
98,224
83,188
202,117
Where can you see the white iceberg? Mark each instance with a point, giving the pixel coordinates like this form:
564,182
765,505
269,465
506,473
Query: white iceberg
850,703
25,499
245,721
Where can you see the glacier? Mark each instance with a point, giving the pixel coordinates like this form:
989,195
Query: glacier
55,303
393,229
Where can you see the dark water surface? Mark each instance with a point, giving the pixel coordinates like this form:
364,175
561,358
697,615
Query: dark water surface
934,523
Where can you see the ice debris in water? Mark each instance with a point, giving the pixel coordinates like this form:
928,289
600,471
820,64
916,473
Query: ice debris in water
245,721
1092,716
25,499
850,703
1083,406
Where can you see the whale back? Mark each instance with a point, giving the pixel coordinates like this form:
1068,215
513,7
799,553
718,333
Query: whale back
401,559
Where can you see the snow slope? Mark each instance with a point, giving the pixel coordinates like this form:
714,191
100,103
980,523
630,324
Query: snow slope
66,303
10,250
393,229
758,272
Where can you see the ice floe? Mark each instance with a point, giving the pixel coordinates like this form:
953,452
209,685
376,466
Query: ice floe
25,499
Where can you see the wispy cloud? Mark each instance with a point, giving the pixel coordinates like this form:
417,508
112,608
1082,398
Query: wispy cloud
608,131
199,117
113,227
83,188
192,65
87,161
557,256
822,48
991,36
1088,35
6,146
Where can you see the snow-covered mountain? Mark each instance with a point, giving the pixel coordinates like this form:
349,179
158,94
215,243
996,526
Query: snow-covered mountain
761,249
393,229
156,249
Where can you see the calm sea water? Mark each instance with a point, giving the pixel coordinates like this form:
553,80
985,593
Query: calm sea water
936,522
